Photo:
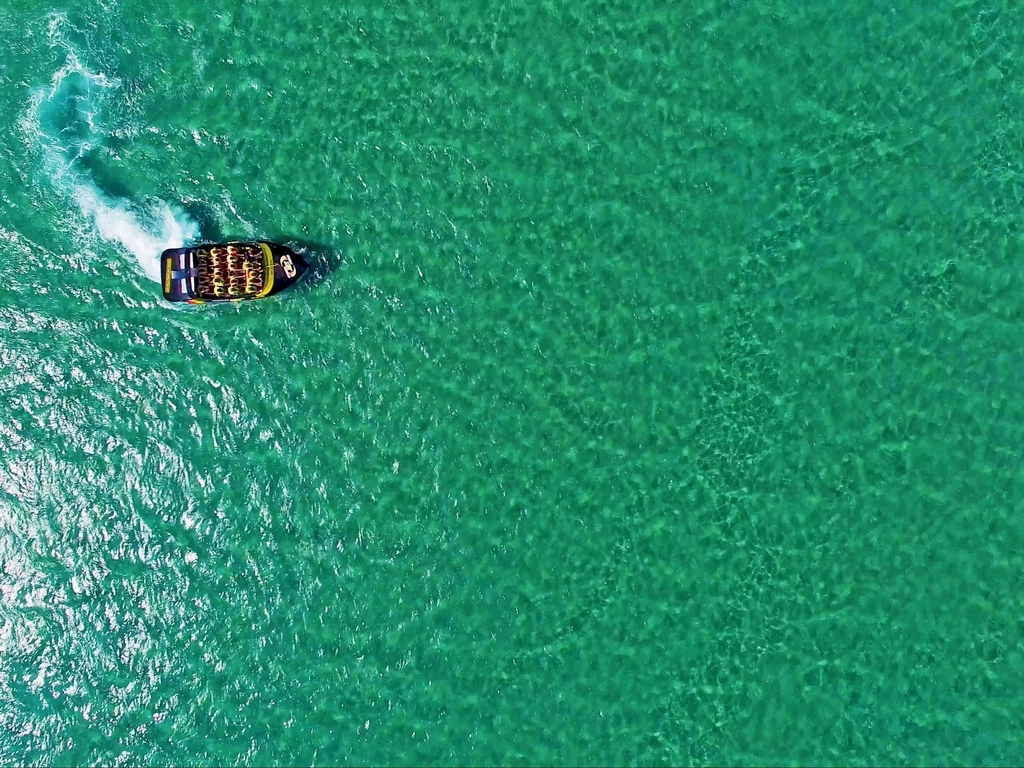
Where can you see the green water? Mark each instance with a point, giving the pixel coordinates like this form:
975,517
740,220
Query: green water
655,399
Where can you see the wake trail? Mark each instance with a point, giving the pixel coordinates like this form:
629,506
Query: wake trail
65,119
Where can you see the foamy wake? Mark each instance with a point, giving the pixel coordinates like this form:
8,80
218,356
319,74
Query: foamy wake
163,227
66,118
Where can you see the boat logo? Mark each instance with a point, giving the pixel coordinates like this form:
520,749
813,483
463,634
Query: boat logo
287,266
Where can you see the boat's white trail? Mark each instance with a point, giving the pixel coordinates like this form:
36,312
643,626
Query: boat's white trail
145,236
65,117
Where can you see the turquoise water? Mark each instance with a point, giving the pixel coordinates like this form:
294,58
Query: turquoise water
655,399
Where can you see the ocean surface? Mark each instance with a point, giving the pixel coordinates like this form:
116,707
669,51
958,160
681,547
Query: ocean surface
656,397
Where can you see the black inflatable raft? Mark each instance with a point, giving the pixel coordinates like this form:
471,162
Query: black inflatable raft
235,271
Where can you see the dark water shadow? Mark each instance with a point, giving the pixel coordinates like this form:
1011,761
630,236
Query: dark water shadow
95,165
322,259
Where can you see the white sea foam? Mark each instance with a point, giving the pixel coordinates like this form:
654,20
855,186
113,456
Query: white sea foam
145,236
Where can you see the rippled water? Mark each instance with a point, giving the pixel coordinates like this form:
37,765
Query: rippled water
654,398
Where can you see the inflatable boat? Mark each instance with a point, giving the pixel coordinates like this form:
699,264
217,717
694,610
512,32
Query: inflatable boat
235,271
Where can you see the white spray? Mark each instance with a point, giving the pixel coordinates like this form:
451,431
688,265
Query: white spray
163,228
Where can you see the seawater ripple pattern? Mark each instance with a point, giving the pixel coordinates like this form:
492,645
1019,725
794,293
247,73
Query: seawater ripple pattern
660,406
